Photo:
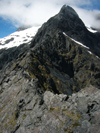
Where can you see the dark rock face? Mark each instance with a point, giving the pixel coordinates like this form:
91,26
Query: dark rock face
51,85
63,54
11,54
68,21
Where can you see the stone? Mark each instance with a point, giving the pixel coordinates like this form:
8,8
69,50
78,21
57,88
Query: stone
52,85
27,121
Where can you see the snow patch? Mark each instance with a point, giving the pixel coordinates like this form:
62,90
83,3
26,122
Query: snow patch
19,37
97,57
93,54
76,41
90,52
91,30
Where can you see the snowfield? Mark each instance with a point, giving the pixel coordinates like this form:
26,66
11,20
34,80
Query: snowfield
19,37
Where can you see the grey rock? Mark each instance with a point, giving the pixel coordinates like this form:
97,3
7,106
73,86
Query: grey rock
27,121
85,124
51,85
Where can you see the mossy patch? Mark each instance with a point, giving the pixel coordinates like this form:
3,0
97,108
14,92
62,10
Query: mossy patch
11,122
74,118
1,108
15,79
54,109
70,128
72,115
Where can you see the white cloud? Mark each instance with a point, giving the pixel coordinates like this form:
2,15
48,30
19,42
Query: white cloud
36,12
89,17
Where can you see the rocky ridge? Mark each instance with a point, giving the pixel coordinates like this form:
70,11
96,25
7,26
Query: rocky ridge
48,112
51,84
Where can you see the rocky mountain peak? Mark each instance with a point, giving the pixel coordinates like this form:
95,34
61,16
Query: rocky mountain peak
68,21
68,11
52,85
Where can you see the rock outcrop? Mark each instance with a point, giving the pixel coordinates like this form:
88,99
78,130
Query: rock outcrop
32,112
52,85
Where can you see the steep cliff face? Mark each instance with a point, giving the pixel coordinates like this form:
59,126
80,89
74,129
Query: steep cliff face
58,50
63,58
68,21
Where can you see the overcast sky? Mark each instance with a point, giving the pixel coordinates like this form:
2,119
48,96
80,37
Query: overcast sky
14,13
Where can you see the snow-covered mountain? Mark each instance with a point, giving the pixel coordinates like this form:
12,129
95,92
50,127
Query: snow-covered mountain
19,37
23,36
50,81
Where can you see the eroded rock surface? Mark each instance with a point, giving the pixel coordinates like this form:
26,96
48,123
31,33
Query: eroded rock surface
52,85
31,112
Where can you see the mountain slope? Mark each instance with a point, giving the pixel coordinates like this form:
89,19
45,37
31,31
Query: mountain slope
68,21
18,38
61,59
9,49
65,54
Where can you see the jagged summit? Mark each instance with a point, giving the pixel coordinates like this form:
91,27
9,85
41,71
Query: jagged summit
68,21
67,10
